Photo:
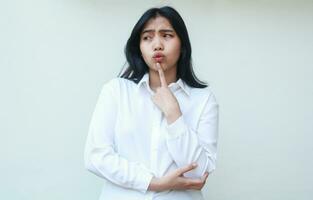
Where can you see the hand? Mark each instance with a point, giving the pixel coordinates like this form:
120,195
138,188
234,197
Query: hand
175,181
165,99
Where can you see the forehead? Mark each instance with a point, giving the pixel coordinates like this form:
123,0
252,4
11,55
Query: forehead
158,22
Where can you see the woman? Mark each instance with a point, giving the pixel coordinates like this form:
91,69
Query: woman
153,134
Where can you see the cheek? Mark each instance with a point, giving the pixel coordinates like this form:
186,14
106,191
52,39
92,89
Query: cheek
143,50
144,54
176,49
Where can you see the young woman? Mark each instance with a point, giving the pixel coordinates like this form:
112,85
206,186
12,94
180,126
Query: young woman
153,133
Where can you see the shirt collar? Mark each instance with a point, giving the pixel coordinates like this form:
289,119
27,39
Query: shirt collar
178,84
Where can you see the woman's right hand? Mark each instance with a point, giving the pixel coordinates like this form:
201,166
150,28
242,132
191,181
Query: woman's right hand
176,181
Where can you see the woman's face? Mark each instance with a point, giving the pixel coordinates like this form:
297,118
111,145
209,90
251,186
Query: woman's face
160,43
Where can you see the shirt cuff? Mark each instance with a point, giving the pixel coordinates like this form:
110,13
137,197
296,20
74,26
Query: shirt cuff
177,128
146,179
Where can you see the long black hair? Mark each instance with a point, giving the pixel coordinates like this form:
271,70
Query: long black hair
136,64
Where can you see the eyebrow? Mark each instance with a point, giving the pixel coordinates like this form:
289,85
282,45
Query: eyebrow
161,30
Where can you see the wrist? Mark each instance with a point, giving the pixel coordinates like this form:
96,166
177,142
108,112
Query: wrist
155,184
173,115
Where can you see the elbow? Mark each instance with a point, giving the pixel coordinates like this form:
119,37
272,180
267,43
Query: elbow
211,165
88,163
211,169
205,165
94,161
91,166
90,159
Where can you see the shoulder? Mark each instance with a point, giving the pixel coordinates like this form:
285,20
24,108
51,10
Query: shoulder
111,84
206,93
117,84
207,101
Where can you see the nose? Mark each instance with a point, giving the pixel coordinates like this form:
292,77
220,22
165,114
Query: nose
157,44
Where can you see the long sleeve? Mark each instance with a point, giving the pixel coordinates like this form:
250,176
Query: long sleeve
100,156
187,145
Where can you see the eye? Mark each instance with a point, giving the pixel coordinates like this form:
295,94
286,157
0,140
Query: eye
146,38
168,35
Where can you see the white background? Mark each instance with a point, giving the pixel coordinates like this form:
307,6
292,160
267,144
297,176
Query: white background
256,55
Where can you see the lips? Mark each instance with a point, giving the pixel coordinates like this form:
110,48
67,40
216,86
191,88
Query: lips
158,57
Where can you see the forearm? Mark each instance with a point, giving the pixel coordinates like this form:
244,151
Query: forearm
105,163
156,185
175,180
185,145
186,149
173,113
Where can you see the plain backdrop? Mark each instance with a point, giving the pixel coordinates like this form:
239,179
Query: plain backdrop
257,57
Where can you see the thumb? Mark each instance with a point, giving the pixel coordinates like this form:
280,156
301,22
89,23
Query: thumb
187,168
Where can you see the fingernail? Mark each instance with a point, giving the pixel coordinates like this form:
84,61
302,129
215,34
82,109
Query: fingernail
194,164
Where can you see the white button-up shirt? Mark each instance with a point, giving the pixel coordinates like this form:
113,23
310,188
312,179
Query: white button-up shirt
130,141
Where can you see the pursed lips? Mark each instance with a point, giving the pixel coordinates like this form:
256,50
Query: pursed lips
158,57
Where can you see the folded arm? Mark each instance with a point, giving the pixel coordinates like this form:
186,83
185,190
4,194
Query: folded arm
100,156
187,145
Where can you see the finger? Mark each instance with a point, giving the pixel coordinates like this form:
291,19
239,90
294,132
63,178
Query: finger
161,75
195,184
187,168
205,176
196,187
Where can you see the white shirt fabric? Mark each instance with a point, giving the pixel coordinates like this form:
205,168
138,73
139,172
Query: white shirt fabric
129,140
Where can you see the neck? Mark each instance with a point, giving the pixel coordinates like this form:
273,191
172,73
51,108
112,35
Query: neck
154,78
